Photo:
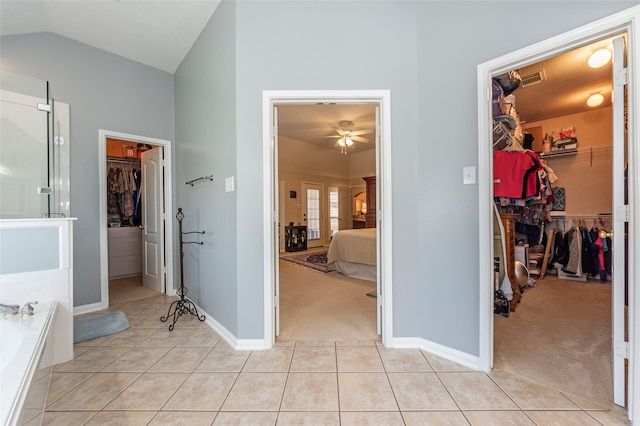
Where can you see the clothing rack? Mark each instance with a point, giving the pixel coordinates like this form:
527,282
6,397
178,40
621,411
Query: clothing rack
123,160
561,224
604,220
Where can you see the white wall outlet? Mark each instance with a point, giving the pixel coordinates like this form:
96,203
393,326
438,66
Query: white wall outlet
229,184
469,175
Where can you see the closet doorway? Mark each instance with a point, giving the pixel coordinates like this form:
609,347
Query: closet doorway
135,236
586,36
273,230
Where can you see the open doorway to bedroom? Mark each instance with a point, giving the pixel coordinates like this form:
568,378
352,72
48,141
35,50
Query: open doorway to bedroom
325,150
314,176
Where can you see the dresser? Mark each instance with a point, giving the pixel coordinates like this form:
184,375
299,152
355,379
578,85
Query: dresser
125,252
370,215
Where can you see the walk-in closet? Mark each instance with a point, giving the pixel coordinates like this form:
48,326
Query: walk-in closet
553,180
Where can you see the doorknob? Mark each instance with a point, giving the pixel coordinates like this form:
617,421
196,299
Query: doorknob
141,226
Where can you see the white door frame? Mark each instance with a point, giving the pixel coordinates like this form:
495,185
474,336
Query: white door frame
168,207
383,158
626,21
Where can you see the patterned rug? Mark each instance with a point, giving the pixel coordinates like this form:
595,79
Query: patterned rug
317,261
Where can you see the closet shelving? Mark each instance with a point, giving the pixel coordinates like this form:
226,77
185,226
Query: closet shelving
503,134
585,150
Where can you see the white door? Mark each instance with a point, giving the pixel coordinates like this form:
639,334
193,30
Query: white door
345,217
278,222
312,205
620,347
379,206
153,220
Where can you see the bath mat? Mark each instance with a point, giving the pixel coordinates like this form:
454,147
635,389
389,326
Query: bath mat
99,325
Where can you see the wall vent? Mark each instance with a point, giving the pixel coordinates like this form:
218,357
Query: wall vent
534,78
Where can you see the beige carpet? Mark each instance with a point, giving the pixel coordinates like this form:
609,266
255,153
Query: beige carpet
318,306
560,336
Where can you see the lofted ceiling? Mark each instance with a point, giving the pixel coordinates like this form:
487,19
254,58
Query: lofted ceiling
160,33
153,32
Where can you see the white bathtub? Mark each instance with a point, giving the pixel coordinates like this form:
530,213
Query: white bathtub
22,346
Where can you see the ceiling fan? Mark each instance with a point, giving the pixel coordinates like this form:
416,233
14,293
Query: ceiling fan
346,136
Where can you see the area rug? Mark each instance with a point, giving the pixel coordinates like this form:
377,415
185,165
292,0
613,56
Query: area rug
317,261
99,325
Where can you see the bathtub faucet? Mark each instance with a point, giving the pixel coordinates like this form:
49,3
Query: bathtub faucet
9,310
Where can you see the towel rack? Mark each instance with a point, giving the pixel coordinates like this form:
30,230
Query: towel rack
183,305
191,182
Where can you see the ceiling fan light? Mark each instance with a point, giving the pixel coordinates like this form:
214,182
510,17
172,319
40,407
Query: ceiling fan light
595,100
348,141
341,142
599,58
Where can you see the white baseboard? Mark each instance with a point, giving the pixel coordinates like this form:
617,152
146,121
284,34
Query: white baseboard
233,341
87,309
449,354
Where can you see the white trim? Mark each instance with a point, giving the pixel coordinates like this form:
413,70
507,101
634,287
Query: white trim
269,99
227,336
625,21
445,352
102,205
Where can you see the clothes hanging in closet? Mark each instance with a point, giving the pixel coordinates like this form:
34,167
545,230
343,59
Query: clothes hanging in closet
520,179
123,193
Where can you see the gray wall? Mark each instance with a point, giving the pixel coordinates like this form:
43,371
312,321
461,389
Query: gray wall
427,54
205,145
104,91
445,288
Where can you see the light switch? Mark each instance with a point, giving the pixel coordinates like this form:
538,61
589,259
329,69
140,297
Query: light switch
229,185
469,175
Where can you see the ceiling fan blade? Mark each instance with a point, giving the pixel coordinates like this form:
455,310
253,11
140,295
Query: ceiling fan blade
332,136
362,132
359,139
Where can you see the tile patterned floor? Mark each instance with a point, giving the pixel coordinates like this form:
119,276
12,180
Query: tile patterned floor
148,375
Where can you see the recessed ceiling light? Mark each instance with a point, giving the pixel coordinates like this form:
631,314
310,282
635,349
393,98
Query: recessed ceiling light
595,100
600,57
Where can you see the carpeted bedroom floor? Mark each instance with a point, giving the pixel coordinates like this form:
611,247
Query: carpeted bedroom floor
318,306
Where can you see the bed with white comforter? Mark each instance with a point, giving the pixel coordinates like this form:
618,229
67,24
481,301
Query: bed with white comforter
353,252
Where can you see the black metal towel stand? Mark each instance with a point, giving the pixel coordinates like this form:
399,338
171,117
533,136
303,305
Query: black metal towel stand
183,305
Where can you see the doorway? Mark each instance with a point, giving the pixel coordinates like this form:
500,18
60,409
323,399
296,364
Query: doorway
609,27
271,226
153,163
313,210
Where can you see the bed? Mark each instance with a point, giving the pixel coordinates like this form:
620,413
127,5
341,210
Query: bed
353,252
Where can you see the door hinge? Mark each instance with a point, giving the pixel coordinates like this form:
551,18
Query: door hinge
44,107
276,302
163,216
622,213
622,349
621,77
164,270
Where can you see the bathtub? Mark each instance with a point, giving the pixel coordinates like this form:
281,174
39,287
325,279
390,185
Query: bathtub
25,364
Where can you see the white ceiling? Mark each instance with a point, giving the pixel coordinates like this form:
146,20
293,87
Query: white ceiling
153,32
160,33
